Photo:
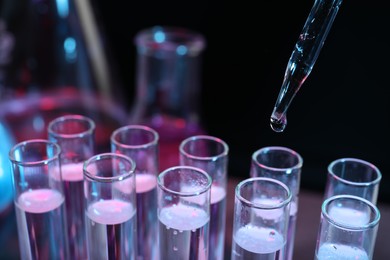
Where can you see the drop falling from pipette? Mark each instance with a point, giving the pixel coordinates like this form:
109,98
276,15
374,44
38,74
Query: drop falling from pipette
303,57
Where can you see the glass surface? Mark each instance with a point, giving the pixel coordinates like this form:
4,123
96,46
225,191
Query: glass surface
303,57
110,207
353,176
260,221
211,154
39,200
58,63
348,228
75,134
285,165
141,144
168,78
183,213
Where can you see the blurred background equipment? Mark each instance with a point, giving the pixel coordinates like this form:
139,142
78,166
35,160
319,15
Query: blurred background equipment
342,110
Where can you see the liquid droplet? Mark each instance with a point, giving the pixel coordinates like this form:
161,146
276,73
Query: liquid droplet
278,124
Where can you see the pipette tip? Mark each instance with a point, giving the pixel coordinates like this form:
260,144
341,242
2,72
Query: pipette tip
278,124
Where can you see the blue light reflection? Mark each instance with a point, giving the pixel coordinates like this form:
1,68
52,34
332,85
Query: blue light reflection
159,36
70,47
181,50
62,8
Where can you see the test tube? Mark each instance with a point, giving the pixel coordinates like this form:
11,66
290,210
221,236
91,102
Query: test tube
211,154
348,228
184,213
141,144
353,177
110,207
39,200
285,165
75,134
260,222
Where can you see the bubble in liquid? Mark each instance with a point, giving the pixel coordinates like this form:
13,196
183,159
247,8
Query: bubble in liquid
278,125
271,236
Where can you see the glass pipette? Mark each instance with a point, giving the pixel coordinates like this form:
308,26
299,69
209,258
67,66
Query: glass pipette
303,57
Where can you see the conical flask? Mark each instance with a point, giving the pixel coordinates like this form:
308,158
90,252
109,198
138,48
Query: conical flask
55,60
168,78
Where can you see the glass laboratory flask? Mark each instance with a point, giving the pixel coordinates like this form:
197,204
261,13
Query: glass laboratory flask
168,86
55,60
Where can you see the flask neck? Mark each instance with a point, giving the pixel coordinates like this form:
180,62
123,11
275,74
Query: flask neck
168,81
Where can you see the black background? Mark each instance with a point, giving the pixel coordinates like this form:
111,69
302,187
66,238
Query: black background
342,110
